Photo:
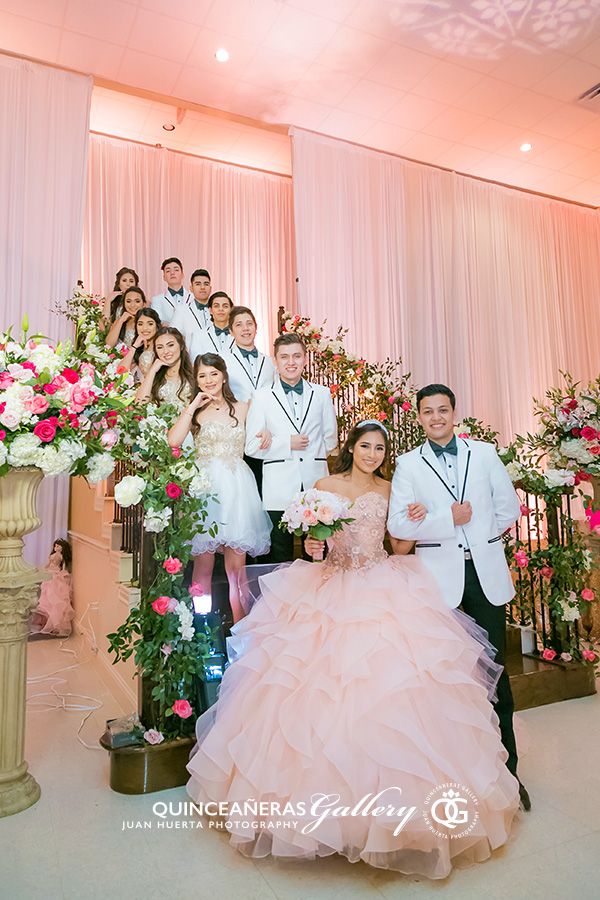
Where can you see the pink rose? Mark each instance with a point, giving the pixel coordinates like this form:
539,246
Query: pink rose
176,452
406,406
325,514
182,709
6,381
172,565
521,559
391,399
70,375
80,398
2,434
589,655
10,419
566,657
524,509
547,572
173,491
152,736
195,589
464,434
36,405
109,438
588,594
309,517
166,649
172,604
45,430
588,433
161,605
594,450
50,388
548,654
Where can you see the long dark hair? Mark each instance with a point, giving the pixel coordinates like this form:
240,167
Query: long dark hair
216,362
186,372
67,554
117,301
148,313
131,290
345,458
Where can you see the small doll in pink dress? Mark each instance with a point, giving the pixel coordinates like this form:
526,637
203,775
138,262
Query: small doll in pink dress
55,611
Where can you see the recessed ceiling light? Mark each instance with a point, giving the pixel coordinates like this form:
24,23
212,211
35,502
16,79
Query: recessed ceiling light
222,55
525,148
168,126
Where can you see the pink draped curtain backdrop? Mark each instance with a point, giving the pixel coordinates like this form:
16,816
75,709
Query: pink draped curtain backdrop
145,204
44,121
487,289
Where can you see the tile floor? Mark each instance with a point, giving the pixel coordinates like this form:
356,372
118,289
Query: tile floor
71,844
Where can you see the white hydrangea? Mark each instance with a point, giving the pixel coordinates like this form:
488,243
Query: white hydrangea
73,449
52,461
23,450
156,520
569,613
3,453
100,466
515,471
199,485
559,477
129,490
575,449
186,621
44,357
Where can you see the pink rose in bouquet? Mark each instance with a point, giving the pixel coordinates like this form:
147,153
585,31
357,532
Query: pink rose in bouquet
45,430
182,708
172,565
549,654
317,514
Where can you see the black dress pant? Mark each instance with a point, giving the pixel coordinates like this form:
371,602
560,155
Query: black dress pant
282,542
493,619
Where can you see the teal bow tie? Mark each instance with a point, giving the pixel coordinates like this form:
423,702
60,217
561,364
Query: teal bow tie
297,388
450,448
248,353
178,293
219,331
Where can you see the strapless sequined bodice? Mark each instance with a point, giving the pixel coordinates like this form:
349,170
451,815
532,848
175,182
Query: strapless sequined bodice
169,392
360,543
222,441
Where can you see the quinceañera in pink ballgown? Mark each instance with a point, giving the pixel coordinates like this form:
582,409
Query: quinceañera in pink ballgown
357,711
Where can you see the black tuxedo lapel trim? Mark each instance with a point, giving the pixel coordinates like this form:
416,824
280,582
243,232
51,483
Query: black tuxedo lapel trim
245,370
168,299
438,476
462,495
193,312
312,393
212,340
296,429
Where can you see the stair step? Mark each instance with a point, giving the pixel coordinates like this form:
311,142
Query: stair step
535,682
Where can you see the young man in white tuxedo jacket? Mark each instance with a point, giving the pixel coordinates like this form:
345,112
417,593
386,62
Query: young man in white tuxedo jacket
454,498
213,338
201,288
248,369
292,427
175,295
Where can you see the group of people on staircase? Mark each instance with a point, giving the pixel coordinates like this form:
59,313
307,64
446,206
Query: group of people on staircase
361,673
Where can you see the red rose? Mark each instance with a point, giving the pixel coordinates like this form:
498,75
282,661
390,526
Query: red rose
29,365
50,388
182,709
576,432
594,450
572,403
70,375
173,490
588,433
45,430
2,434
583,476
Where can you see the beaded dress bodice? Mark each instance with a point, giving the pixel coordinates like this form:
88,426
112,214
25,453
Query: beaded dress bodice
359,545
145,360
222,441
169,393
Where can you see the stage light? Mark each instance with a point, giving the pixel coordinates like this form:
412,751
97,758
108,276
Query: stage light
222,55
202,604
525,148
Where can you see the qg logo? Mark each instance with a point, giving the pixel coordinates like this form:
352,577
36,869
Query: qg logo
451,810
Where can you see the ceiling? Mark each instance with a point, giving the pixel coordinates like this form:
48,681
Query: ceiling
457,84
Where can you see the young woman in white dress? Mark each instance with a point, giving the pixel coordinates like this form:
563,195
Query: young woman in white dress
170,378
216,421
141,354
122,330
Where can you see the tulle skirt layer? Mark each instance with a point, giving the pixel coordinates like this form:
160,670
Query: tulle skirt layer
357,686
54,612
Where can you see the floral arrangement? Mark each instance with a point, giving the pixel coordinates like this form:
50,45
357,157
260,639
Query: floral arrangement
318,514
160,633
569,432
58,409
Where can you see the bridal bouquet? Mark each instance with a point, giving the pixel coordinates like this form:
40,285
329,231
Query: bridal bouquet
317,514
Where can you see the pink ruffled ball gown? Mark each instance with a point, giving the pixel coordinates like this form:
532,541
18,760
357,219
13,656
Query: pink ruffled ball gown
350,678
54,612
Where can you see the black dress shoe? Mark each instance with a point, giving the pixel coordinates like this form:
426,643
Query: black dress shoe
524,797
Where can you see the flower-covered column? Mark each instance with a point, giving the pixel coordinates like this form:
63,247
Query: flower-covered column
19,588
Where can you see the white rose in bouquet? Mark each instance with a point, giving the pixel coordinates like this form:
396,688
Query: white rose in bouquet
157,520
129,490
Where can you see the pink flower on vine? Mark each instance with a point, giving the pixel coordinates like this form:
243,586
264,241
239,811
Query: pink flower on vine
525,510
521,559
589,655
547,572
588,595
548,654
172,565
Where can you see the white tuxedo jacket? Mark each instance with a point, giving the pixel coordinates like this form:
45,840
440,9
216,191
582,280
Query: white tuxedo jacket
440,545
287,471
206,340
166,306
246,380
